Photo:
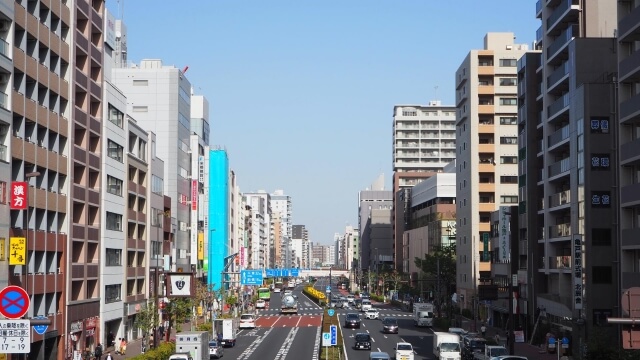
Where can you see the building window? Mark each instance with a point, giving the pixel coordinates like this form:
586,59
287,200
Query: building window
114,221
508,159
116,116
3,192
508,179
112,293
140,82
508,81
114,257
142,150
508,140
157,185
508,62
156,217
507,199
508,120
409,113
140,108
114,185
115,151
601,274
508,101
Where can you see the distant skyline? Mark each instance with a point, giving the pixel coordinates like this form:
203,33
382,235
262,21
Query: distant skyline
301,93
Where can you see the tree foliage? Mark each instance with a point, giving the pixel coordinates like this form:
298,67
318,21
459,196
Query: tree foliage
147,318
440,265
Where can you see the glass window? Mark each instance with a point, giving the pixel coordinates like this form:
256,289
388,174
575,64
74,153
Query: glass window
508,81
114,221
114,257
142,150
114,185
157,185
507,140
116,116
508,62
112,293
508,159
156,217
115,151
508,120
508,101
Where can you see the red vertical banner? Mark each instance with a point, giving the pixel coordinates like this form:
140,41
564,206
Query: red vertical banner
194,195
19,195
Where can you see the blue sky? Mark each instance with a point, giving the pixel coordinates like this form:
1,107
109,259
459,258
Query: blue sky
301,92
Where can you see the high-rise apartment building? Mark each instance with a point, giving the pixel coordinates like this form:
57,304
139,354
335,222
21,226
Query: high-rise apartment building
281,204
199,145
258,245
567,183
299,236
487,152
424,141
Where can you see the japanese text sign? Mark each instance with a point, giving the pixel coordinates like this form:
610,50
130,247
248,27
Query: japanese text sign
17,251
19,195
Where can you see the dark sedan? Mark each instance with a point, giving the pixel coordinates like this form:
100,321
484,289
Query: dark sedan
352,321
390,326
363,341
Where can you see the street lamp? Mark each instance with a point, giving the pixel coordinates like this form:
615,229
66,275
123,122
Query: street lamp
227,263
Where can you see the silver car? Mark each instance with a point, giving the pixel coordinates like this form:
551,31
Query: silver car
215,350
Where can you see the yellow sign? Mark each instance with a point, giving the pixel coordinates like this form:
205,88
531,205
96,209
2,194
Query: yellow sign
2,253
17,251
199,310
200,246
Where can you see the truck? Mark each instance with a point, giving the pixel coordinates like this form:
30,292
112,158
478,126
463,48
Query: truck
289,305
491,352
423,314
226,331
194,343
446,346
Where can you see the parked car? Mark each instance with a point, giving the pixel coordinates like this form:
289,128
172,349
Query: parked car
390,325
216,351
363,341
371,314
261,304
352,320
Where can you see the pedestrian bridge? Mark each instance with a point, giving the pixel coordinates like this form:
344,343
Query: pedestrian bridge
323,272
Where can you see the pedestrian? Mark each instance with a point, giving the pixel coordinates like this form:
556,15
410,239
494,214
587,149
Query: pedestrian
143,344
117,345
497,338
123,347
98,352
109,357
483,330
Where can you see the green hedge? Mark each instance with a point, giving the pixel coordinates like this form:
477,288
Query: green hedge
162,352
378,298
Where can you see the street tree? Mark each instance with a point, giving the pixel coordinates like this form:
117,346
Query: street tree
147,318
440,264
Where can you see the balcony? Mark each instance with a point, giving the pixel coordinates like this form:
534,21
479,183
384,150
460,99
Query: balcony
555,79
629,194
561,198
630,237
562,103
560,230
559,136
561,41
630,68
630,109
559,167
562,12
539,9
628,26
560,263
630,152
630,279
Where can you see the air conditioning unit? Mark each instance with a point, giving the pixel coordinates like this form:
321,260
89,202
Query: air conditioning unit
4,78
5,25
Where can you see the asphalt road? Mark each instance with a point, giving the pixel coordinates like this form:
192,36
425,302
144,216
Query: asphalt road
279,337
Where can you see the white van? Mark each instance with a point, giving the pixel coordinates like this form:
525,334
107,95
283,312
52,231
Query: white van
247,321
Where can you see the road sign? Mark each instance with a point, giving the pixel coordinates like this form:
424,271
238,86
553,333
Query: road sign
14,302
270,273
17,336
565,343
334,335
331,312
326,339
295,272
552,343
328,289
251,277
40,329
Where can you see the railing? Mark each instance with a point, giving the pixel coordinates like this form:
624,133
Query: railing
559,167
558,74
558,105
560,230
561,198
560,41
4,101
558,136
560,262
559,12
4,48
3,152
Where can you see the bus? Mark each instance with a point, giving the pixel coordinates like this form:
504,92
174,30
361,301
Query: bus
278,287
264,293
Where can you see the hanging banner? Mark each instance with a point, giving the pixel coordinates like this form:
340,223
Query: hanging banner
17,251
19,195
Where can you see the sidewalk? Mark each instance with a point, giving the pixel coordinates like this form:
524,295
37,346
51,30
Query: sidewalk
134,347
532,352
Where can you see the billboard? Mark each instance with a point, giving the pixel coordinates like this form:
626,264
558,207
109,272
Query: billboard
504,236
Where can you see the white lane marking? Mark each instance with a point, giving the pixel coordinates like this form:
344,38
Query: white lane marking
373,340
385,336
316,345
378,349
298,323
286,344
252,347
367,331
401,339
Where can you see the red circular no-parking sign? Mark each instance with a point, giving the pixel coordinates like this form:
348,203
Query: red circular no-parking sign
14,302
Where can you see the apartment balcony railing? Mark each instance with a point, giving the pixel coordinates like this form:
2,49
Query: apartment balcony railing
558,74
560,12
630,108
3,153
561,198
629,23
558,136
560,230
4,48
561,41
560,262
559,167
561,103
4,101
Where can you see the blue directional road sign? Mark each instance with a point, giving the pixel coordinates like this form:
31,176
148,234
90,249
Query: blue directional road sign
334,335
40,329
328,289
251,277
270,273
330,312
295,272
565,343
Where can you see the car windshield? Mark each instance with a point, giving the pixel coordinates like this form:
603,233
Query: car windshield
352,316
390,322
426,314
246,317
477,344
363,337
366,302
404,347
447,347
371,310
497,351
